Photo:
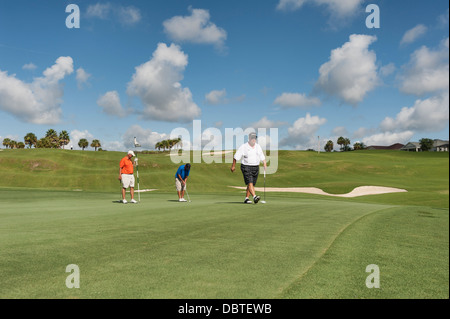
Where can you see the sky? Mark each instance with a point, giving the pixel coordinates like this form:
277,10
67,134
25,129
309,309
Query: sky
309,70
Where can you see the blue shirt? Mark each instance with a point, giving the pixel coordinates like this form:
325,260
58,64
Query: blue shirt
182,172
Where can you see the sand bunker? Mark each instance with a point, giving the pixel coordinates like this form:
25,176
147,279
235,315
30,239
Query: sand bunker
215,153
359,191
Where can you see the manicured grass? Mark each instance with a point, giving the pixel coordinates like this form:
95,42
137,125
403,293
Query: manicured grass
60,207
216,247
424,175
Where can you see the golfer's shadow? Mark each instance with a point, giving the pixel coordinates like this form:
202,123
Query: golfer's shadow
117,202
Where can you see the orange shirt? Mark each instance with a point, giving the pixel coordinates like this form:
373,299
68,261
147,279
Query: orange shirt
126,165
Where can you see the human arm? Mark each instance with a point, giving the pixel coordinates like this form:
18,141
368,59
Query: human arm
233,166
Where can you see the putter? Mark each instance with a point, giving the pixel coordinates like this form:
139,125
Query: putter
264,201
189,199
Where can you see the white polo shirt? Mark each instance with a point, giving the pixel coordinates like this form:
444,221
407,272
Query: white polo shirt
251,156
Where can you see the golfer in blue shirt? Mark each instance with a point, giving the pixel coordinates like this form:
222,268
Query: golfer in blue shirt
180,180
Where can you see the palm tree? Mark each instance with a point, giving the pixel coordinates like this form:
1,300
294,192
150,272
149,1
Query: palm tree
12,144
43,143
96,144
158,146
64,138
30,140
329,146
341,142
6,142
83,143
20,145
53,138
165,144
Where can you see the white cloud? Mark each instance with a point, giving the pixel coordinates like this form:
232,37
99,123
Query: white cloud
443,20
98,10
339,131
267,124
76,136
146,137
29,66
427,71
129,15
303,133
290,100
388,138
413,34
196,28
351,72
429,115
290,5
337,9
388,69
82,77
157,84
110,104
216,97
38,102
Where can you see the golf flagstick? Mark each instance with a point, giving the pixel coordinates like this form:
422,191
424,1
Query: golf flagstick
136,145
264,201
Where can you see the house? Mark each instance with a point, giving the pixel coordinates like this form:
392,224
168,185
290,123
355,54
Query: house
394,147
438,146
412,147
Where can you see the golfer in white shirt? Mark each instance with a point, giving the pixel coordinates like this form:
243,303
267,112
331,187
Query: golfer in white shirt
252,155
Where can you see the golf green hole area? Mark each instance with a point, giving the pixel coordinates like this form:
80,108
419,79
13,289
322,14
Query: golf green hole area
217,247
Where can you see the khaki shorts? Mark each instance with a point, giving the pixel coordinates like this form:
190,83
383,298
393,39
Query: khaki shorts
178,185
127,181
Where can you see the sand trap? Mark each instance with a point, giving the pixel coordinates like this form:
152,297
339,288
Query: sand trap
359,191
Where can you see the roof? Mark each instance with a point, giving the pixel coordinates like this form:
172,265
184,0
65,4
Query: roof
396,146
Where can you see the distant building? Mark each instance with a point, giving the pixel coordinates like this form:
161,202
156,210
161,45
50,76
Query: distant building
412,147
394,147
438,146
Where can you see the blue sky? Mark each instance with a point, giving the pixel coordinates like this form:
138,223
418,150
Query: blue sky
307,67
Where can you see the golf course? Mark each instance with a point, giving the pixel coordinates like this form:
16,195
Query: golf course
62,207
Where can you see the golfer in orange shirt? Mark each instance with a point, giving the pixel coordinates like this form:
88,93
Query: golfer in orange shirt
126,175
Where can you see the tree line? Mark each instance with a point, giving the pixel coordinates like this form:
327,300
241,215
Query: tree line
52,139
169,144
344,143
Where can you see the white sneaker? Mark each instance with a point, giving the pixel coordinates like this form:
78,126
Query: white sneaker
124,201
182,200
133,201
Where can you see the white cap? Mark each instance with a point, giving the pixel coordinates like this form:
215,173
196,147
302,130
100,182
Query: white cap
131,152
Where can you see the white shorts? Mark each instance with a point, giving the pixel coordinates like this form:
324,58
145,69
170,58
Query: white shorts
127,181
178,185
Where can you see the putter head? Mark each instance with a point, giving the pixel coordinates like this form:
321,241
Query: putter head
263,202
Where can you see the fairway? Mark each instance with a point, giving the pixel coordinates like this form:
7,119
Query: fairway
297,246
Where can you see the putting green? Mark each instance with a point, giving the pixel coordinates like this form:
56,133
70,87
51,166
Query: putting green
214,247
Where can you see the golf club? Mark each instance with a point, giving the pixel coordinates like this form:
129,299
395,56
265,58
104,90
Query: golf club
189,199
136,160
264,201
